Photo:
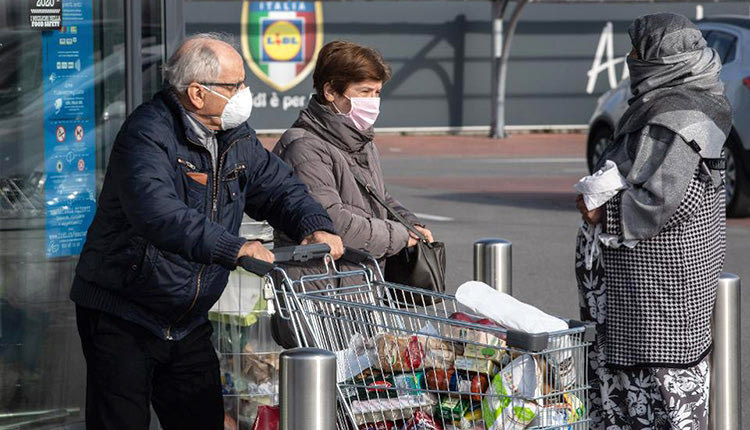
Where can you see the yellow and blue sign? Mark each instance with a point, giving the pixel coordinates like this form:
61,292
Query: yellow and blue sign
282,40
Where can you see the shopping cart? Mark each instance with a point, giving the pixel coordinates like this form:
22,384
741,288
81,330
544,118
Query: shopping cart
431,367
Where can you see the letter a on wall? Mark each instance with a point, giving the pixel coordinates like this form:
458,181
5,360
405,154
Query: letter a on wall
281,40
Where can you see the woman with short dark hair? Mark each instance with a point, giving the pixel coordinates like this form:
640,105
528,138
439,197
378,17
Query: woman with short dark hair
652,289
330,148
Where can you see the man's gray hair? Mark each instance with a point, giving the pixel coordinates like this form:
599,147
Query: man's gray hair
194,61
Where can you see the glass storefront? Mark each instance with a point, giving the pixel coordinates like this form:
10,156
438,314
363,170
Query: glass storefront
62,101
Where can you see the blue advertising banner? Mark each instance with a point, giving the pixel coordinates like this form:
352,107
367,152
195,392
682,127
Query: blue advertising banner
69,135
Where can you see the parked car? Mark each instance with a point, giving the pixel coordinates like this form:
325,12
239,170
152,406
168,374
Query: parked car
730,36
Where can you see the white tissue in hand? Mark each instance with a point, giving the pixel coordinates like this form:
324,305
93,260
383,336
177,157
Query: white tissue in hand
506,310
601,186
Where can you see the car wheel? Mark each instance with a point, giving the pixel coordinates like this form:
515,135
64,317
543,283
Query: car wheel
736,182
600,138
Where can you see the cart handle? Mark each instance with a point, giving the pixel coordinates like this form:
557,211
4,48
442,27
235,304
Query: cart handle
355,256
253,265
287,254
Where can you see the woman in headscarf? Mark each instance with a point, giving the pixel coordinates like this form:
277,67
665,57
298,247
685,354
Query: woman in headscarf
652,289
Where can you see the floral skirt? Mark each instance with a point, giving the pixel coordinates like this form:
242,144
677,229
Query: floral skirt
654,398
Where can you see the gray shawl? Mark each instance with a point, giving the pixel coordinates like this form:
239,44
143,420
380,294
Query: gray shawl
675,85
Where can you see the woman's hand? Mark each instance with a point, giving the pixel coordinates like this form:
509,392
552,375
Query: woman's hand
593,217
414,239
333,241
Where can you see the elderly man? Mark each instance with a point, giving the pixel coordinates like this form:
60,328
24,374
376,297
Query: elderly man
184,168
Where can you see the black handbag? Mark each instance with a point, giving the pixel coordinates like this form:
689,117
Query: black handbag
421,266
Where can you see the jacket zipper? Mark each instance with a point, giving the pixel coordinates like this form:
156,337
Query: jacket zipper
213,215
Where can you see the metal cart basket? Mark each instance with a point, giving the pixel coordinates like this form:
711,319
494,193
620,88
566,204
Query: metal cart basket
431,366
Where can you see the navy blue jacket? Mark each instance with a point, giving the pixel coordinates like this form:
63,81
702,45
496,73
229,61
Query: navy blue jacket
161,245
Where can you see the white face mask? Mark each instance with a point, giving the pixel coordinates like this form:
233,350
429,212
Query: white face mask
364,111
238,108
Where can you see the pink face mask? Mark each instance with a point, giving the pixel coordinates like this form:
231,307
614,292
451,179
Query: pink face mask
364,111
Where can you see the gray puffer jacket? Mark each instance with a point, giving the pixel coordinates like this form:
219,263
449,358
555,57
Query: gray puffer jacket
326,150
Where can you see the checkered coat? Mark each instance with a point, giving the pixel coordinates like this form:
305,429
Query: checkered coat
661,293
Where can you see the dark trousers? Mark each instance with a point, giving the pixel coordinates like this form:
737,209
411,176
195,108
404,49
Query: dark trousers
128,369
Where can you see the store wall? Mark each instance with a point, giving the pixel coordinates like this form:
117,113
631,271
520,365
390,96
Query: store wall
440,54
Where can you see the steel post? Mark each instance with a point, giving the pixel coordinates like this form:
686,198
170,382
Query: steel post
493,263
724,399
307,389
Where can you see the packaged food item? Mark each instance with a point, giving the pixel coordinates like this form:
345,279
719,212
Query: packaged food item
393,409
410,383
560,363
439,353
570,411
422,421
517,415
375,386
259,368
396,354
452,409
381,425
473,416
438,379
476,365
519,379
464,385
497,355
473,335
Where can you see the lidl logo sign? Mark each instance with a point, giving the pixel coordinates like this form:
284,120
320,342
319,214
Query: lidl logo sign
281,40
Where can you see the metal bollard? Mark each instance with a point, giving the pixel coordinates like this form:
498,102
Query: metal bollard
307,389
492,263
724,398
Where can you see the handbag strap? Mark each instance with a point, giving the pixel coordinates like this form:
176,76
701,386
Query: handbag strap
397,216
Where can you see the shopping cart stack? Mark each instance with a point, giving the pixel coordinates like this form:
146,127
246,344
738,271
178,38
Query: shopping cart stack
403,366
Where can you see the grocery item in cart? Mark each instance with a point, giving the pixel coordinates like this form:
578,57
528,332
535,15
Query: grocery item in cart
381,425
517,415
476,365
464,385
405,353
422,421
394,409
374,384
470,335
570,411
518,380
506,310
453,410
561,364
410,383
259,368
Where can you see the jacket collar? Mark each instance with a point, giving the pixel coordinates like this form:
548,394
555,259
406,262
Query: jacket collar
336,129
169,97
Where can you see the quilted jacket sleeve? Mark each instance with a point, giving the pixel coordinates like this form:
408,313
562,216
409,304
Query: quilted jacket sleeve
377,236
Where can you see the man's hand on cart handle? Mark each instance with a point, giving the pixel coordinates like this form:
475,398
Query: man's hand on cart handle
333,241
255,249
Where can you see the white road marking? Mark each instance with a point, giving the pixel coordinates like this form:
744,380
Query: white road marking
438,218
526,160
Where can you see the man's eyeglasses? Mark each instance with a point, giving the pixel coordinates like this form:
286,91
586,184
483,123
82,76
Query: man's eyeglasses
236,86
